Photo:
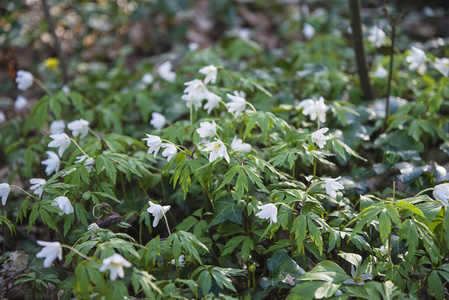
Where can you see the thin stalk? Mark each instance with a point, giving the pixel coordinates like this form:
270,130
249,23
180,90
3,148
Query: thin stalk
77,252
166,223
441,236
18,187
81,149
43,86
390,72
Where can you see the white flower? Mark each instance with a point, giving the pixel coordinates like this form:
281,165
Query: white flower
207,129
24,80
237,104
115,264
52,162
319,138
356,278
441,193
194,93
308,31
64,205
213,101
157,120
4,192
169,151
417,60
157,211
50,251
314,109
218,149
93,227
37,184
79,127
2,117
442,65
193,46
238,145
147,78
380,72
154,142
66,89
268,211
57,127
20,103
211,74
331,185
377,36
180,261
89,162
166,73
384,249
61,140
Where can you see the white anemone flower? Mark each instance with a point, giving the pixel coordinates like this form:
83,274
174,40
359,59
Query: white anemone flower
268,211
238,145
158,212
442,65
157,120
115,264
89,162
380,72
64,205
61,141
377,36
314,109
57,127
207,129
180,261
147,79
308,31
169,151
319,138
210,72
417,60
50,251
20,103
66,89
213,101
331,185
194,93
154,142
37,186
236,105
79,127
4,192
356,278
24,80
441,193
52,163
93,227
2,117
217,149
166,73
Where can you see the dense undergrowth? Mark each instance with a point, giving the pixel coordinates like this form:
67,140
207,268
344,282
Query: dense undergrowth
232,171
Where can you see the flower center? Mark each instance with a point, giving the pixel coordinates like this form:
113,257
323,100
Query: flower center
359,279
216,146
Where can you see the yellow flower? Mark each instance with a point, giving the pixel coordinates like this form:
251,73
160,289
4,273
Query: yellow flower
51,63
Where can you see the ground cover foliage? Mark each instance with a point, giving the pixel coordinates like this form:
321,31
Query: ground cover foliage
223,150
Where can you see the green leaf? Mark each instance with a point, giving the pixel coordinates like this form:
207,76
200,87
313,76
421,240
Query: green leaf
229,175
226,209
232,244
205,280
315,235
353,258
326,271
247,246
314,290
299,227
435,285
281,264
446,226
384,226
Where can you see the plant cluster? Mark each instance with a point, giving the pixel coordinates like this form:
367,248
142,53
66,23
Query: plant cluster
206,177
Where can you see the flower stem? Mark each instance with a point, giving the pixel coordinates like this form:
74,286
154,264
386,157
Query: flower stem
18,187
166,223
252,106
43,86
81,149
77,252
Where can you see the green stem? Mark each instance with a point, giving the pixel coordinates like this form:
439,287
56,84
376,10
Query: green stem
252,106
124,191
77,252
43,86
166,223
81,149
441,236
18,187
